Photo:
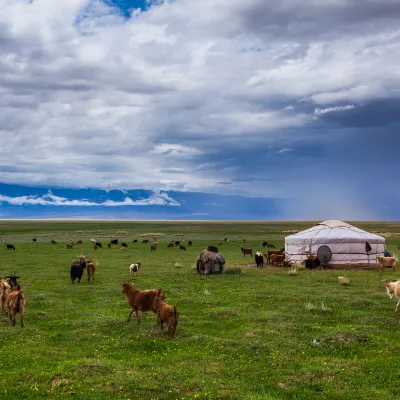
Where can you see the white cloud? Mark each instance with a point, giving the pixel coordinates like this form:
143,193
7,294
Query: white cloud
284,150
320,111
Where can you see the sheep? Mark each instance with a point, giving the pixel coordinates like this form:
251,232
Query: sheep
246,251
139,300
388,262
170,245
79,242
166,313
121,248
393,288
16,304
77,268
269,253
259,259
153,247
8,246
134,268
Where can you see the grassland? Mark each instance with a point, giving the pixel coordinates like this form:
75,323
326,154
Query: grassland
257,335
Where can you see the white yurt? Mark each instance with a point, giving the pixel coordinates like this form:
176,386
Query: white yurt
350,246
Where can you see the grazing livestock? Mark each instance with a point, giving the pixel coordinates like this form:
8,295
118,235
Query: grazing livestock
171,244
269,253
388,262
121,248
97,245
8,246
139,300
277,259
312,262
145,241
393,288
270,246
12,281
93,241
109,245
259,259
190,243
133,268
90,270
34,240
183,248
225,239
16,304
135,241
53,242
70,246
166,313
114,241
177,242
246,251
264,244
79,242
124,245
4,290
153,247
77,269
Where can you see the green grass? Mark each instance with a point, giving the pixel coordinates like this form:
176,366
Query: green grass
260,334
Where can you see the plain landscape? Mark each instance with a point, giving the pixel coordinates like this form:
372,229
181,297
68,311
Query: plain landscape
258,334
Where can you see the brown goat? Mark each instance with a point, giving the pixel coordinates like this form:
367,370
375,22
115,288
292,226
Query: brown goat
90,270
166,313
16,304
4,290
153,247
246,251
269,253
139,300
70,245
171,244
277,259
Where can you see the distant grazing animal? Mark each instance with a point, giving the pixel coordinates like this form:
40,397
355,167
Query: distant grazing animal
312,262
133,268
124,245
77,269
388,262
190,243
114,241
153,247
16,304
97,244
166,313
269,253
170,245
246,251
70,246
264,244
140,300
90,270
53,242
393,288
145,241
135,241
109,245
34,240
244,240
270,246
226,239
79,242
182,247
121,248
277,259
177,242
259,259
9,246
12,280
93,241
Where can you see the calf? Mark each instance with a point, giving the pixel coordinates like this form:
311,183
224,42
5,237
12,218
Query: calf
166,313
77,268
246,251
277,259
259,259
139,300
16,304
133,268
388,262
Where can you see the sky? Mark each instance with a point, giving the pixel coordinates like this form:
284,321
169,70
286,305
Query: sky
297,100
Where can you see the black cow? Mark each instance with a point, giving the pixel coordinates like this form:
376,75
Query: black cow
77,269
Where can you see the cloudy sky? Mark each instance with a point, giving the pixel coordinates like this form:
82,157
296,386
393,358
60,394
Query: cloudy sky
288,99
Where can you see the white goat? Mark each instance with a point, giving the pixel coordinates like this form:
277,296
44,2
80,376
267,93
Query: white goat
134,268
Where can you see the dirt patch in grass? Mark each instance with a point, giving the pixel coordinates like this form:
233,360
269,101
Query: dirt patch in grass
226,314
345,338
58,382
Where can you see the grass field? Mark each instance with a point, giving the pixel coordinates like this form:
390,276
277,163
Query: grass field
261,334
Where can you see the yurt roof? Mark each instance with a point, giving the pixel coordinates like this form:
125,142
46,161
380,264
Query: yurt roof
334,231
214,256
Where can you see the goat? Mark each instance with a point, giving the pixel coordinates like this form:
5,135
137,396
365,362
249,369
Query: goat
177,242
12,281
77,269
225,239
124,245
134,241
170,245
270,246
145,241
269,253
34,240
70,246
4,290
114,241
264,244
121,248
90,269
16,304
393,288
53,242
277,259
388,262
97,245
183,248
246,251
166,313
190,243
153,247
79,242
109,245
259,259
139,300
9,246
134,268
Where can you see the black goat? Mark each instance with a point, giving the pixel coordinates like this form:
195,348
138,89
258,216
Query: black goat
114,241
34,240
135,241
270,246
97,244
124,245
259,259
77,269
9,246
265,244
